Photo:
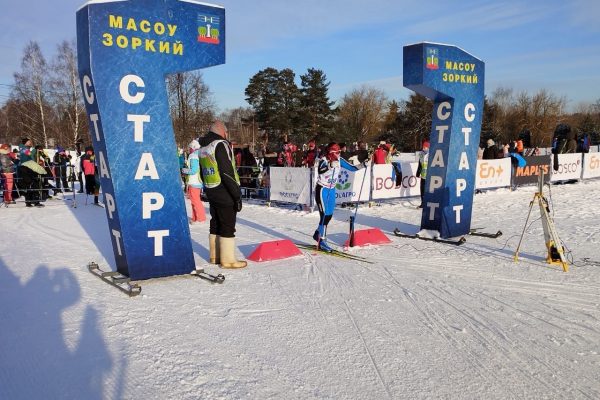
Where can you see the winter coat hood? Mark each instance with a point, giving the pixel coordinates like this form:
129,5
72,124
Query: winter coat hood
209,138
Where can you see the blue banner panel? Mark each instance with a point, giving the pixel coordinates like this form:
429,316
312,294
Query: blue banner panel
125,50
453,79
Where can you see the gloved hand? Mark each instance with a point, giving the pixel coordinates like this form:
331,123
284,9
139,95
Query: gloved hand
238,205
185,171
334,164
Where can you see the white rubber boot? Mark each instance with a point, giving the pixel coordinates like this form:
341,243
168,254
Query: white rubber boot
228,260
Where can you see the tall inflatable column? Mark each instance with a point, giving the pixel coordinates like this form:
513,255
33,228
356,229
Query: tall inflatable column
125,50
453,79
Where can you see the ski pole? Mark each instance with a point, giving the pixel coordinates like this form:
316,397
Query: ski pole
353,217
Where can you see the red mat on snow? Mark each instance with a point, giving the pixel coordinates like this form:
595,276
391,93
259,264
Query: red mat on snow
275,250
364,237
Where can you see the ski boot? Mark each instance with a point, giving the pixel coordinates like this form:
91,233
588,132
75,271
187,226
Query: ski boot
323,245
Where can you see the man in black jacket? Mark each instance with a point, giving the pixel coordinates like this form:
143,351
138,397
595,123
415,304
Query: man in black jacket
490,152
222,188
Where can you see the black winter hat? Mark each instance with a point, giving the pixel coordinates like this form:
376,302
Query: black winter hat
562,130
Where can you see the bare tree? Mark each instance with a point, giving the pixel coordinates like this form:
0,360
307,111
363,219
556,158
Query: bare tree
31,87
361,114
66,94
546,111
539,114
241,125
191,104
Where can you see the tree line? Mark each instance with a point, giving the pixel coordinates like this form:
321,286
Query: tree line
45,104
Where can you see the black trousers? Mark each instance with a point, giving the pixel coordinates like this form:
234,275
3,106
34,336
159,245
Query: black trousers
222,220
61,177
31,183
422,186
90,184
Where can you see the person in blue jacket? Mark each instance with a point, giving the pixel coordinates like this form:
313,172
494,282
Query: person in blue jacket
328,169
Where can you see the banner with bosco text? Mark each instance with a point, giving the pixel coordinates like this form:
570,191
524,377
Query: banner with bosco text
384,182
125,51
569,167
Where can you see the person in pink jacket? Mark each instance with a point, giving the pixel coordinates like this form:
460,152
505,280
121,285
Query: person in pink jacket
194,183
89,170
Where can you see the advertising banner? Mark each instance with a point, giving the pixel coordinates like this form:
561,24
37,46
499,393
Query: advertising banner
125,51
454,80
531,171
350,183
591,165
493,173
384,182
569,167
291,185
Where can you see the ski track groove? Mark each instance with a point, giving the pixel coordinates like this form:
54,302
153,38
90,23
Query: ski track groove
445,331
436,323
487,342
533,354
360,335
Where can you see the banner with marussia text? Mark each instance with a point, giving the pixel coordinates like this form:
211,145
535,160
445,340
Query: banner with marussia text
384,181
493,173
453,79
291,185
125,51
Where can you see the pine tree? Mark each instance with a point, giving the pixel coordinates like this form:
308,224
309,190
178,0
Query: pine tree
275,98
288,106
261,93
414,122
317,114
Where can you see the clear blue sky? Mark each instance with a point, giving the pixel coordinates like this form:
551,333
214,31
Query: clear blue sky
526,45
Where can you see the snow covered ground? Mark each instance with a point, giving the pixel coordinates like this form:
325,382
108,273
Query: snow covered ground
426,320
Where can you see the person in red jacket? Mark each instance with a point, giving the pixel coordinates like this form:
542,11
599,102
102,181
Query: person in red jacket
381,153
311,155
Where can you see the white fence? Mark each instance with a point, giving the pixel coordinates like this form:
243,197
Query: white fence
377,182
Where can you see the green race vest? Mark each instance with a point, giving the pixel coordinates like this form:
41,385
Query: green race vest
208,164
423,158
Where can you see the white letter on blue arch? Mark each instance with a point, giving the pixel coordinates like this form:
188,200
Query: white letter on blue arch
125,51
454,80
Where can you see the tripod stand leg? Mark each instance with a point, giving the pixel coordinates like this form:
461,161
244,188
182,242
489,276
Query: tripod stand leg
516,257
551,237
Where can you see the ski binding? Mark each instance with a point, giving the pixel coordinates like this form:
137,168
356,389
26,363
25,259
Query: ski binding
200,273
474,232
116,279
437,240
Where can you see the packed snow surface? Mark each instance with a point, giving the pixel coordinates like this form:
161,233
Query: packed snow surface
425,320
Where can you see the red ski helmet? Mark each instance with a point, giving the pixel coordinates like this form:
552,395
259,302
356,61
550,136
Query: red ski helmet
333,152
